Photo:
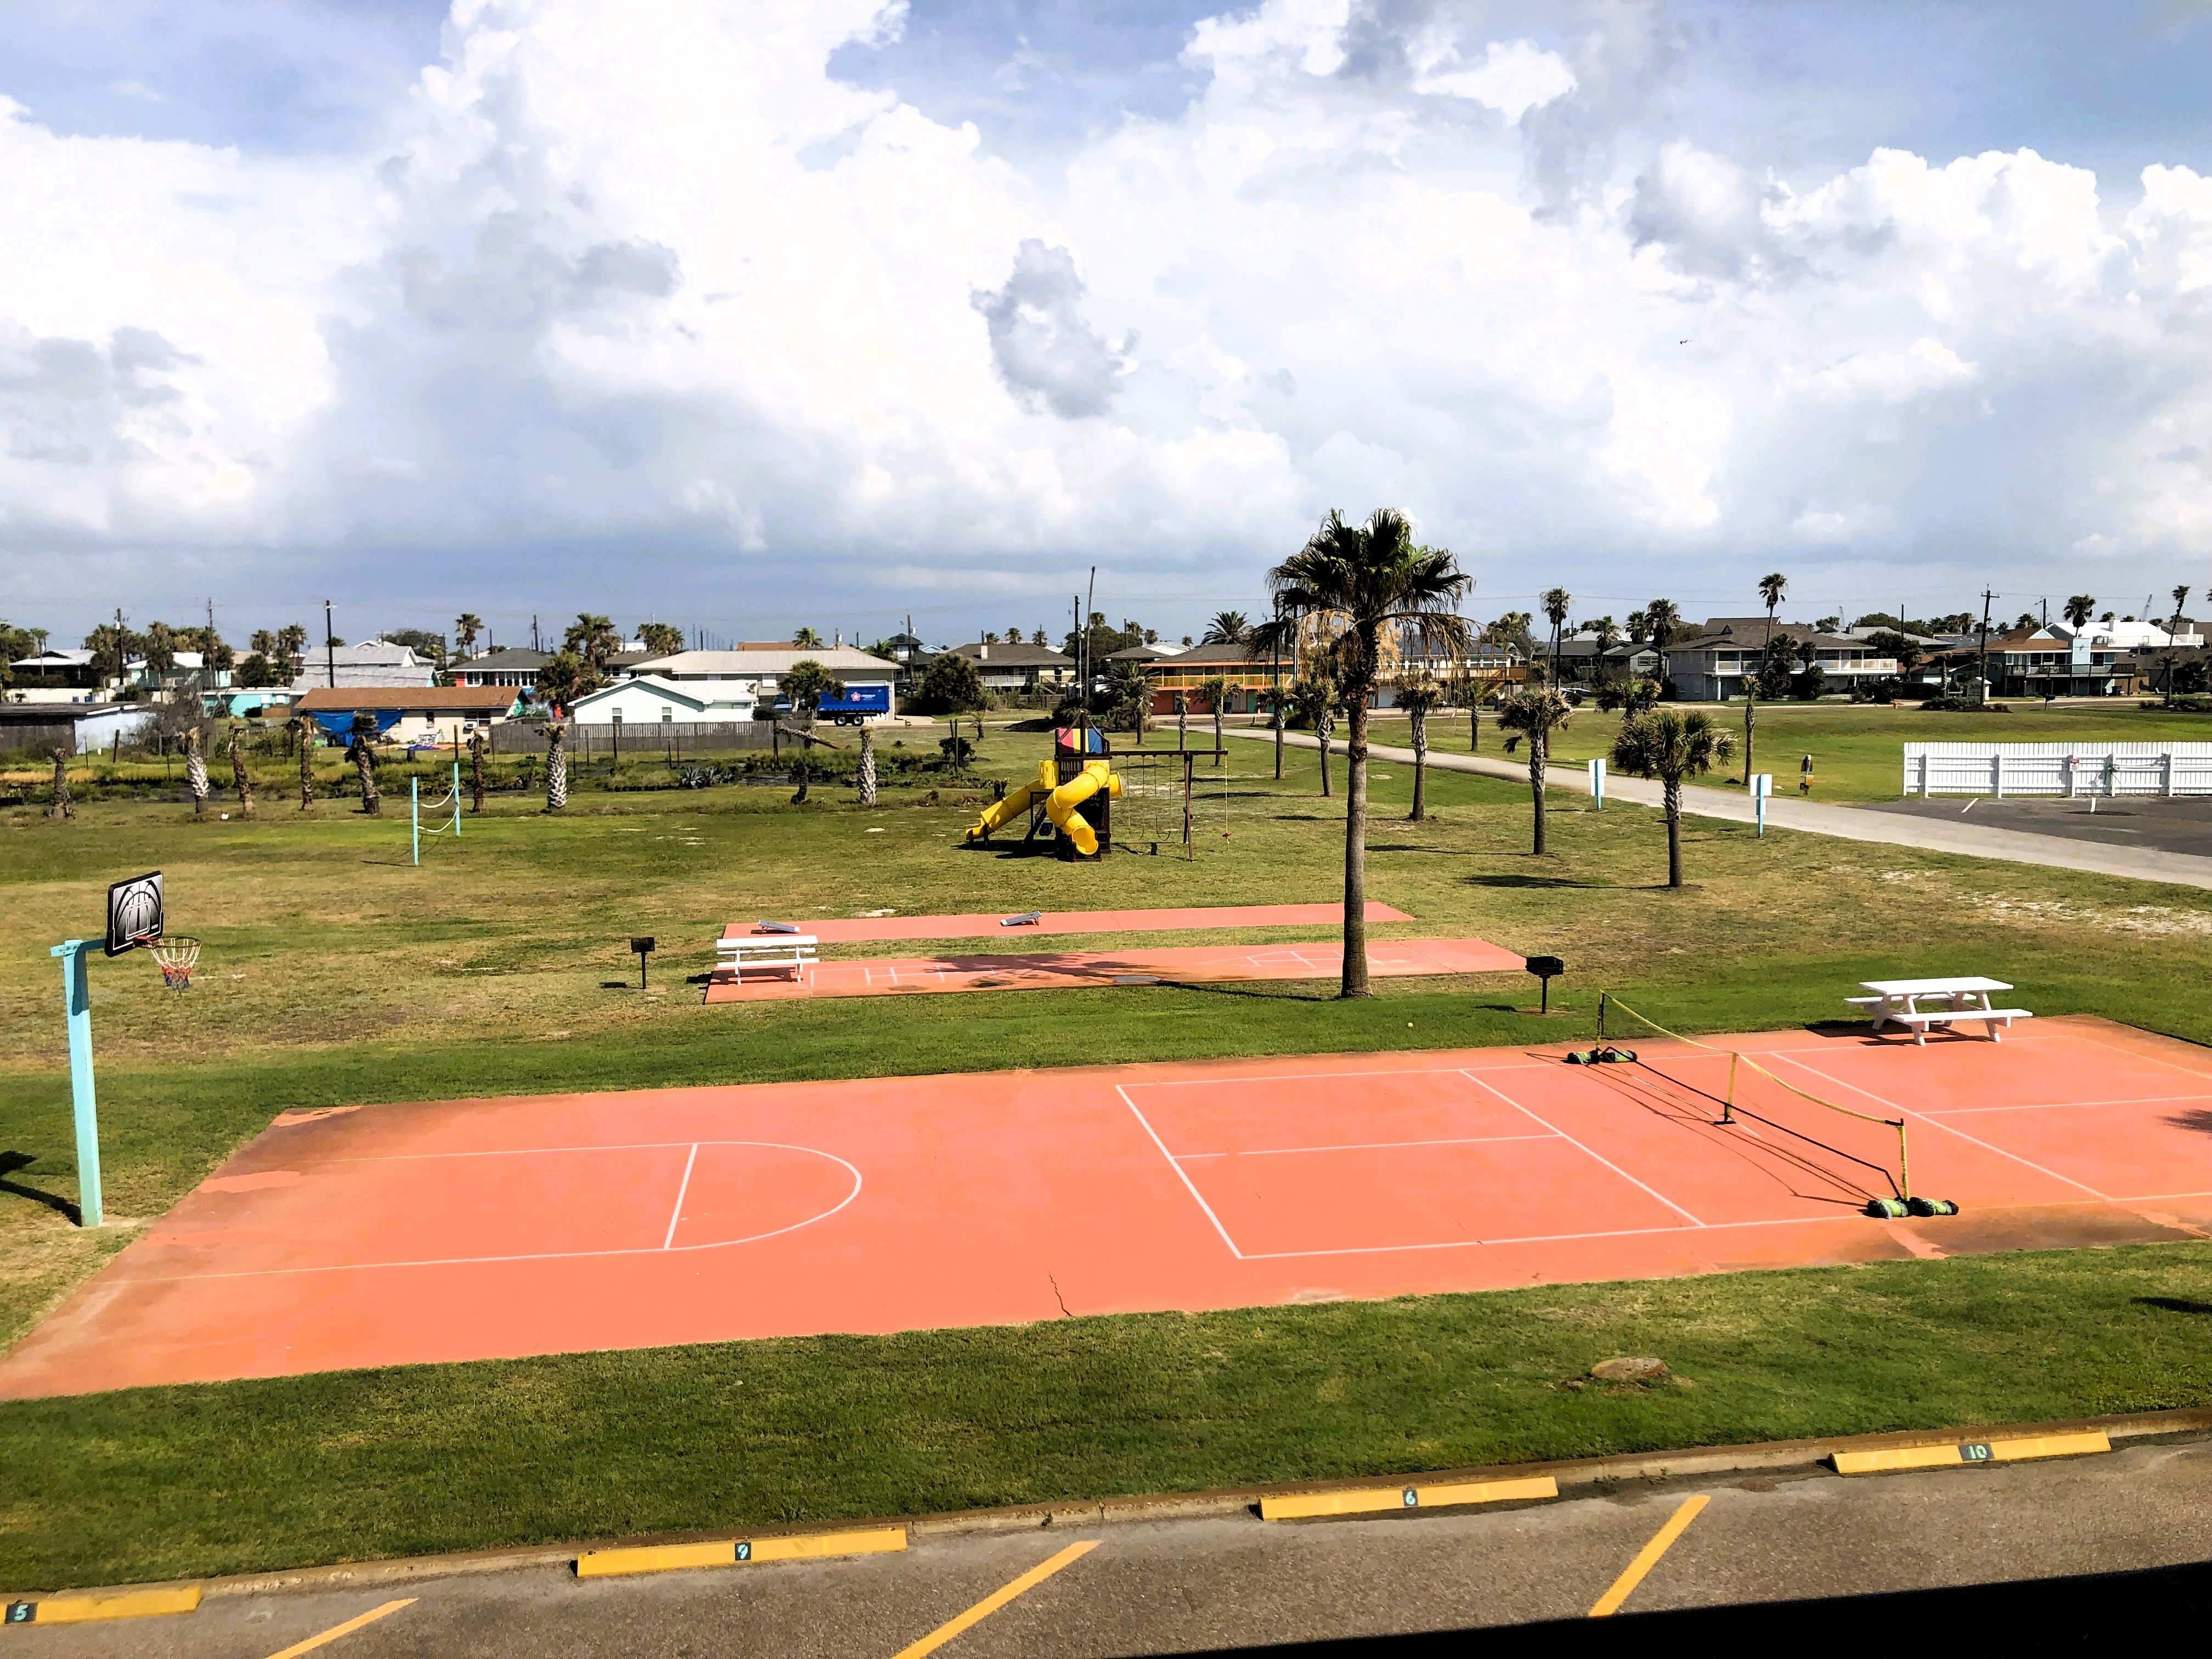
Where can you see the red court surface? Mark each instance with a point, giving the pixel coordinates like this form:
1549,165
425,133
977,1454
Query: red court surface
860,930
1061,970
473,1229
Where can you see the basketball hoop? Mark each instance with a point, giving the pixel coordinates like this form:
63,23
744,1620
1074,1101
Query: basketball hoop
176,955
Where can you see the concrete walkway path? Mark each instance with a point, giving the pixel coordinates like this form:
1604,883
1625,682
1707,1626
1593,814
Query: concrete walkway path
1814,817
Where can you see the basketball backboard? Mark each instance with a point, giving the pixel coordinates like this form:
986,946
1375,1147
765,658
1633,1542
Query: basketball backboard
134,913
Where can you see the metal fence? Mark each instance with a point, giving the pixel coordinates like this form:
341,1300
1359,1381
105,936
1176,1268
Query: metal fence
640,738
2058,769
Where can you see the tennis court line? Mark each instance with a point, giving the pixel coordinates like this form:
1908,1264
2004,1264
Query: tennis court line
683,1187
1952,1129
535,1256
1367,1146
2156,1060
1189,1186
1331,1077
1578,1147
2055,1105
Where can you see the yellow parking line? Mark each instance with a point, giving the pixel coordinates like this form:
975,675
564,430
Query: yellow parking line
991,1603
1648,1557
346,1629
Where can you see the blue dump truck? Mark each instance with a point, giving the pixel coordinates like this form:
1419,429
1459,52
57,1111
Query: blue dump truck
859,703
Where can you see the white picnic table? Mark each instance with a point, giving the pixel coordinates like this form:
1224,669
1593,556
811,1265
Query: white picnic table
794,951
1963,998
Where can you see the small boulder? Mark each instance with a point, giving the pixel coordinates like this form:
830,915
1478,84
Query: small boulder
1639,1369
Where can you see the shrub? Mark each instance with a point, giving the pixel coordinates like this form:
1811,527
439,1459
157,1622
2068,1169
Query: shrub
950,685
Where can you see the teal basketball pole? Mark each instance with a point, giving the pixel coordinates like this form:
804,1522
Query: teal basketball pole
77,996
414,814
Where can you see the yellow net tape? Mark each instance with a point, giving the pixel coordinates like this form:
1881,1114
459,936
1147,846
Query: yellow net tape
1901,1183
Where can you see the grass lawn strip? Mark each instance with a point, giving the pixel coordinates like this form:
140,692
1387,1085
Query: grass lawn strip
171,1483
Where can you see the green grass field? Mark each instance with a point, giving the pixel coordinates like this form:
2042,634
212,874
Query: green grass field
335,972
1857,750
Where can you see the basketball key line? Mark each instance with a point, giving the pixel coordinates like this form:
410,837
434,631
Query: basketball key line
1367,1146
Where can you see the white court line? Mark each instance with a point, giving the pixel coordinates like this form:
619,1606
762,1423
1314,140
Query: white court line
527,1151
2052,1105
2156,1059
1330,1076
1578,1147
677,1214
1952,1130
1369,1145
1180,1174
533,1256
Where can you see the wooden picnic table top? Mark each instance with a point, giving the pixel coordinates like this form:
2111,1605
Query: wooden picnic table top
1931,987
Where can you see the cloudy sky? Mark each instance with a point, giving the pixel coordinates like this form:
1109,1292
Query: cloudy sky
747,314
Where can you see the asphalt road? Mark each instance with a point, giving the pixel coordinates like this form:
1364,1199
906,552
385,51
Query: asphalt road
1828,1561
2171,826
1946,829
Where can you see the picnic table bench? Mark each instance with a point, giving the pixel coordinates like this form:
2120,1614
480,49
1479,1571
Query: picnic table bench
793,952
1896,1002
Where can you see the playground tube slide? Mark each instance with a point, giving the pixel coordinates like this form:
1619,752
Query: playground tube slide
1060,800
1061,805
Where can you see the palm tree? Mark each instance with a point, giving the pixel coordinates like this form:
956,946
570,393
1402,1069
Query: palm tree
476,771
2079,609
1182,720
62,807
1669,745
1663,621
1227,628
592,639
1215,690
304,729
1556,601
239,781
1276,701
1278,633
364,762
1419,693
807,640
1770,590
1379,580
466,628
1311,697
867,765
556,765
195,777
1535,715
662,639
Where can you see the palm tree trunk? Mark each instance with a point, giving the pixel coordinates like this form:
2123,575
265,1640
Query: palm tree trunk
1355,847
556,766
1278,742
1420,721
62,807
476,772
1320,732
1217,725
239,781
364,762
867,766
307,768
196,778
1671,788
1536,746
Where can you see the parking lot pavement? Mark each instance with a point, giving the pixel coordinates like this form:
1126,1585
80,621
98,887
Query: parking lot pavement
2148,823
1221,1585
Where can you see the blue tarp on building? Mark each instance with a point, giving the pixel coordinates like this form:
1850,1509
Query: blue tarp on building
338,722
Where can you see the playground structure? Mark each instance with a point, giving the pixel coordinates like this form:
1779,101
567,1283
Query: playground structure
1074,794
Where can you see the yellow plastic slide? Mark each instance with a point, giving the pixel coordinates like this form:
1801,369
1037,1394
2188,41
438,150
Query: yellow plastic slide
1017,802
1061,805
1059,800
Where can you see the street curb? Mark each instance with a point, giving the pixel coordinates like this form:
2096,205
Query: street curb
1579,1471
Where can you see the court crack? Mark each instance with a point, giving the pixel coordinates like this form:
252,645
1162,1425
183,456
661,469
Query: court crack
1064,1311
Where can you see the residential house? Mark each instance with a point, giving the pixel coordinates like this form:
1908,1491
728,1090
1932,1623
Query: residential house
372,665
650,699
1248,672
1711,663
2051,662
510,665
56,676
755,671
1010,666
81,727
441,714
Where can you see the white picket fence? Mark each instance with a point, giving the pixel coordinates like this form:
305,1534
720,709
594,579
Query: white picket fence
2058,769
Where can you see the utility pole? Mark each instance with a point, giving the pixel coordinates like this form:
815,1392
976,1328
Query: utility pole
121,664
534,645
330,645
1091,603
1987,597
